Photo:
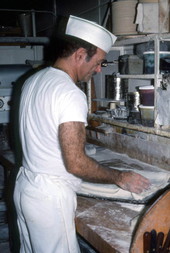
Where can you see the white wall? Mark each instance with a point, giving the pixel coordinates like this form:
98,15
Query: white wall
19,55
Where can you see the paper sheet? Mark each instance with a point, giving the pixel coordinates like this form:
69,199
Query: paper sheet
146,22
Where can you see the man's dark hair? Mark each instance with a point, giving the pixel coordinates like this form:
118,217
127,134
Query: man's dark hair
68,45
65,46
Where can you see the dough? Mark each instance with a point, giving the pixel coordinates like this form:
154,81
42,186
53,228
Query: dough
90,149
159,180
158,177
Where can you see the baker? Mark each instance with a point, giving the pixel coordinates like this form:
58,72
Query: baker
53,116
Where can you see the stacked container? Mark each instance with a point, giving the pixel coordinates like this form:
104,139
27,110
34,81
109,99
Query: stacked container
147,105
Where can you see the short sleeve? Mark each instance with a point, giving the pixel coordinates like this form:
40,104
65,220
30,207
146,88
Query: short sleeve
73,107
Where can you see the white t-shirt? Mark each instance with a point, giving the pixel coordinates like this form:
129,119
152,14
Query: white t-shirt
48,99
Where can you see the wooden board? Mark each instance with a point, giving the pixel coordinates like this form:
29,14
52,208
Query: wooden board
156,217
106,225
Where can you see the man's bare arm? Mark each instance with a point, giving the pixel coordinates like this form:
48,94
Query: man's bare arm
72,137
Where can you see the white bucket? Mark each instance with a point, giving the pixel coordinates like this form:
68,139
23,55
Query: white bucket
147,115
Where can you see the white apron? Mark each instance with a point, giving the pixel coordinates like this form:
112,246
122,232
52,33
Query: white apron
46,211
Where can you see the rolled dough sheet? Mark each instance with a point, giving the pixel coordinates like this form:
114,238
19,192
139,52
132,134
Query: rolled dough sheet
159,180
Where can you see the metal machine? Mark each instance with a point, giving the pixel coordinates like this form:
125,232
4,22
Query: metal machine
10,75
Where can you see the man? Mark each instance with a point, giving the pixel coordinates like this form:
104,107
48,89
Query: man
53,112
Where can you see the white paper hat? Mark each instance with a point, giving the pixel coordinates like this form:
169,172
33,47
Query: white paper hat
90,32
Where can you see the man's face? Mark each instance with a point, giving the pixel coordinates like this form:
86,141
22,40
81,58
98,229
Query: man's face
91,67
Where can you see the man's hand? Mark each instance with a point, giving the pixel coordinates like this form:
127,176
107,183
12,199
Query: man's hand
133,182
72,140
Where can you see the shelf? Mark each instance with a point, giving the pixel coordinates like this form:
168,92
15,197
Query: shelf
136,39
25,40
124,43
142,76
123,124
107,100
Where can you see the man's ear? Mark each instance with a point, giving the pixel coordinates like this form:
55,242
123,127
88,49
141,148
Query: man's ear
80,54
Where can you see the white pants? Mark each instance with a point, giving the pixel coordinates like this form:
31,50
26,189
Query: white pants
46,211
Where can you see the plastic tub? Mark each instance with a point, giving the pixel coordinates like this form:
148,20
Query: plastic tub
147,115
147,95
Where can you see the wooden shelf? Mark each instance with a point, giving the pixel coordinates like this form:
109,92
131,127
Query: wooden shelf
135,127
